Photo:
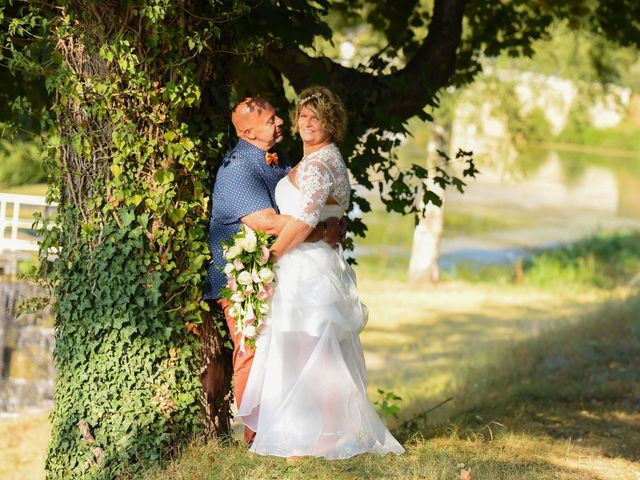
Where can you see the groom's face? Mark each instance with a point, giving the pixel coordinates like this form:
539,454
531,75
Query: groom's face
267,126
256,121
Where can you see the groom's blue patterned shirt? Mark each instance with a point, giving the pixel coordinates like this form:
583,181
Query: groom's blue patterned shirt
244,184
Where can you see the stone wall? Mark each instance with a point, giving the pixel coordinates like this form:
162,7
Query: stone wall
26,347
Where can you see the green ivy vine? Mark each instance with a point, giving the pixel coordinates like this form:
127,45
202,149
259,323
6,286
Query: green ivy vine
131,147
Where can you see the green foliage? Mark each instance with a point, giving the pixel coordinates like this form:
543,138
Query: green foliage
604,261
130,147
131,376
621,137
139,94
581,55
552,368
20,163
524,126
387,403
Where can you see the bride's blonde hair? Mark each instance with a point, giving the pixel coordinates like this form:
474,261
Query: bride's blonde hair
329,108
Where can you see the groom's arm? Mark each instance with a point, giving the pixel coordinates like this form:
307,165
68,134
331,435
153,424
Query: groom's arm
268,221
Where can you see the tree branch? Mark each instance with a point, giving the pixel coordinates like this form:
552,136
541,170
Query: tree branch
383,99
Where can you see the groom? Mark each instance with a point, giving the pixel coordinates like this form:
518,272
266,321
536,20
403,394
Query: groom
244,192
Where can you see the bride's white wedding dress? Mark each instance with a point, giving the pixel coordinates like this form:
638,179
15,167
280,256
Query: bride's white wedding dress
306,393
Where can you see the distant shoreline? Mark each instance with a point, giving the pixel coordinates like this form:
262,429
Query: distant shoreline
574,147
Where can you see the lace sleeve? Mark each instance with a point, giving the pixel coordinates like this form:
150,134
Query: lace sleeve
314,181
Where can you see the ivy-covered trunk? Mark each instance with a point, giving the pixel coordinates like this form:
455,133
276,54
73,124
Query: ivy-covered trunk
132,178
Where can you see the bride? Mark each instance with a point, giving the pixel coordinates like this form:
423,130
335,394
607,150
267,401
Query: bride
306,393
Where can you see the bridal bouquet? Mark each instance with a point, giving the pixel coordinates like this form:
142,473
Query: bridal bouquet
250,275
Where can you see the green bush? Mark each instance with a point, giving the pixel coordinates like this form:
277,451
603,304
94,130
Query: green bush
20,163
604,260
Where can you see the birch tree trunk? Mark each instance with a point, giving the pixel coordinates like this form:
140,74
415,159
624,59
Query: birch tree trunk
425,252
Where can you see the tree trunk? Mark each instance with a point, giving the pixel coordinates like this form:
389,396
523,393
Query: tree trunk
216,374
425,251
133,377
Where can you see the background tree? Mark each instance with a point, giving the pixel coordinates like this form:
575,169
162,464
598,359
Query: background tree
139,94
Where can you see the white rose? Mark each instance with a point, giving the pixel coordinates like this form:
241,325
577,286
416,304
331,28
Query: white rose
249,331
233,252
228,269
264,308
266,275
237,297
254,276
250,241
244,278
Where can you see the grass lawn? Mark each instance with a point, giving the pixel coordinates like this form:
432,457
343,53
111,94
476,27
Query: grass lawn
544,381
545,386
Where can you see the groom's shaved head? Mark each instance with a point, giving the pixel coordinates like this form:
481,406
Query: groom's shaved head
246,111
256,122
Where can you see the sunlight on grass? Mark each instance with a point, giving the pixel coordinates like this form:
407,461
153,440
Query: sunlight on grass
22,446
524,413
544,381
418,340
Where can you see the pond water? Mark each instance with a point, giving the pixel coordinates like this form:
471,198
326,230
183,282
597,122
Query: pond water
545,199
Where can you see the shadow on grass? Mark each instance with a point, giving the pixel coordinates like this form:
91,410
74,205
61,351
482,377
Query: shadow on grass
434,344
578,383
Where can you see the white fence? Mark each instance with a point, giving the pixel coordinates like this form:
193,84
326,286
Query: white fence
13,238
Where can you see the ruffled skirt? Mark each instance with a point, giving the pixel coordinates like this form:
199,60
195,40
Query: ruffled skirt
306,393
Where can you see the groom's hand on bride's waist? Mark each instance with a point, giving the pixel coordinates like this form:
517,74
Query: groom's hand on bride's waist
333,231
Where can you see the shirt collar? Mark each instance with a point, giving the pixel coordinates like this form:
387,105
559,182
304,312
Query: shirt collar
250,148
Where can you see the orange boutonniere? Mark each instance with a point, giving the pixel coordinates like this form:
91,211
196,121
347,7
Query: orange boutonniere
271,158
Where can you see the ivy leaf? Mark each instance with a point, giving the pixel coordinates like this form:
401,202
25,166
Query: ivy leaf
164,176
116,170
177,214
143,219
187,143
127,217
192,328
87,228
198,261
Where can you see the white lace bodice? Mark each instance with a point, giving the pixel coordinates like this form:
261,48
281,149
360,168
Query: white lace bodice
320,175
